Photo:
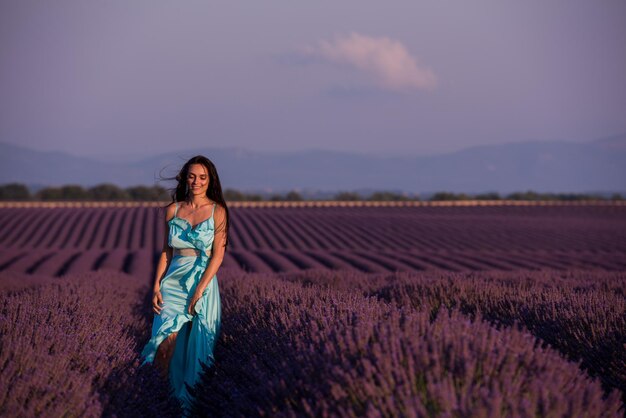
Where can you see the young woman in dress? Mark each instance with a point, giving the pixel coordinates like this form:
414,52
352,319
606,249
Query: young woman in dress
186,300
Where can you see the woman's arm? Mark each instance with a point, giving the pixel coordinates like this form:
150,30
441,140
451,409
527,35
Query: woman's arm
217,253
166,252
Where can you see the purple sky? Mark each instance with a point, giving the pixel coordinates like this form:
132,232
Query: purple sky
395,77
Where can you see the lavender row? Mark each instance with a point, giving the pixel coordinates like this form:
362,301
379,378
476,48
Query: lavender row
79,228
580,313
293,350
140,263
69,347
374,239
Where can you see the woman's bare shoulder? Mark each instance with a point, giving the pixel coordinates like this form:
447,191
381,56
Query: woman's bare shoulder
169,211
220,212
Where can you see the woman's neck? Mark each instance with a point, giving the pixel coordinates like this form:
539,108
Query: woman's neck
197,200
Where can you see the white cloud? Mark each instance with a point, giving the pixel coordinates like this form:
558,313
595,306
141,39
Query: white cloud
386,59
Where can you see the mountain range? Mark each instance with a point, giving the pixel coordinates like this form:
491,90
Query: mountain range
542,166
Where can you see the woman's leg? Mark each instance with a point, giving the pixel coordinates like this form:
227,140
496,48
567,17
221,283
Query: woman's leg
164,354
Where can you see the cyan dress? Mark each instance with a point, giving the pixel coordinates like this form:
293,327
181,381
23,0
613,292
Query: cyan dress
197,334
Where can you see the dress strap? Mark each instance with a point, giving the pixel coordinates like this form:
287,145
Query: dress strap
176,210
213,210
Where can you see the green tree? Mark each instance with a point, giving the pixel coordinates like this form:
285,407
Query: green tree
49,193
527,195
233,195
347,196
293,196
14,191
108,191
387,196
74,192
67,192
145,193
487,196
252,197
449,196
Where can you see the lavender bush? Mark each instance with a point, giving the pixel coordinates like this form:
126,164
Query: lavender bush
289,350
69,347
580,313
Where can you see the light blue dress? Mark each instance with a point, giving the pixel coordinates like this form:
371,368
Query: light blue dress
197,334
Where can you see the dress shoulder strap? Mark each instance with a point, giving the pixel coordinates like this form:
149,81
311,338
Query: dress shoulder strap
176,210
213,210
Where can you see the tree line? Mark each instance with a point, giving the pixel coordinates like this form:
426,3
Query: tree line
112,192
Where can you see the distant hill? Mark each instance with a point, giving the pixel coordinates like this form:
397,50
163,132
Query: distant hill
543,166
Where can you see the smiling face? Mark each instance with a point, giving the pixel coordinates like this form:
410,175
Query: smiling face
197,180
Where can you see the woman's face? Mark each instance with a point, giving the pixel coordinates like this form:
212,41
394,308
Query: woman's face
197,180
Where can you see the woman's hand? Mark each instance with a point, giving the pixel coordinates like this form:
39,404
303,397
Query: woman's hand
196,297
157,300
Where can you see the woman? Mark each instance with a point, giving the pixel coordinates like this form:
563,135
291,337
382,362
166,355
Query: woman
186,300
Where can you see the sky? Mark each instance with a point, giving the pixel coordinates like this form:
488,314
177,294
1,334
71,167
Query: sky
138,77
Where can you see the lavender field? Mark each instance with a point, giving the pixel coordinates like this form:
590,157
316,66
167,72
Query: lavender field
327,311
